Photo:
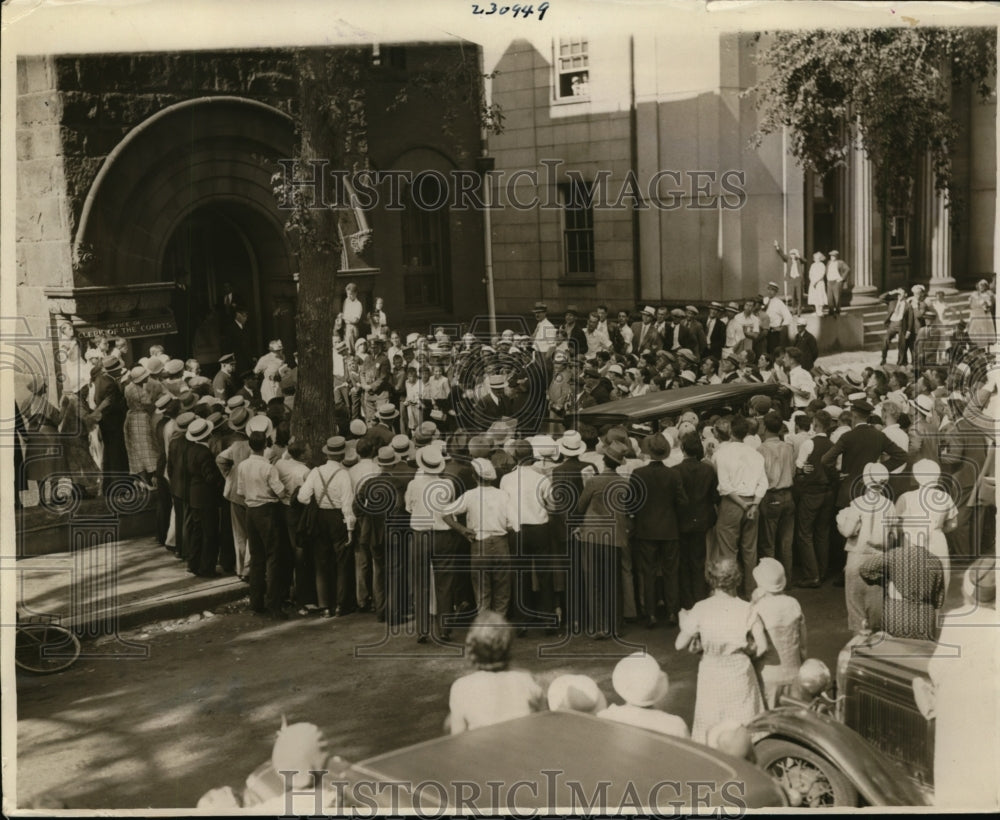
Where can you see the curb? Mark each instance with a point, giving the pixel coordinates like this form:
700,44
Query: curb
158,608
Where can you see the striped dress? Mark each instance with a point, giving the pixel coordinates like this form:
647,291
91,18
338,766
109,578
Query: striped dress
139,441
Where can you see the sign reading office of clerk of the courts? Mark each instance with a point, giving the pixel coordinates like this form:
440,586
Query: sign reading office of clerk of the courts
137,327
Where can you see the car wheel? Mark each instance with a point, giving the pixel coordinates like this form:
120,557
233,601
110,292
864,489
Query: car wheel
802,772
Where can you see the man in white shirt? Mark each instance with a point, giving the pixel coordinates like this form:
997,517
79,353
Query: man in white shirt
836,273
544,336
330,485
597,339
528,490
734,329
428,497
742,484
353,310
780,318
800,380
486,508
795,269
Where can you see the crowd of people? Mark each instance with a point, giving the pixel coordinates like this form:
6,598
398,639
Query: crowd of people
459,477
439,491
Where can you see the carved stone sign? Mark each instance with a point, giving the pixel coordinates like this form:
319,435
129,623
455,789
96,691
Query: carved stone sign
134,327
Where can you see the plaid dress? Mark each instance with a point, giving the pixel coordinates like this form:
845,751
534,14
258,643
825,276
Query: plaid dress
727,683
139,442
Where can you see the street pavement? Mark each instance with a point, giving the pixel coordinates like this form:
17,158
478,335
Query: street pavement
158,715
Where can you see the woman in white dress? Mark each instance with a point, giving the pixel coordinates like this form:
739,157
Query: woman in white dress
730,633
927,513
817,283
982,329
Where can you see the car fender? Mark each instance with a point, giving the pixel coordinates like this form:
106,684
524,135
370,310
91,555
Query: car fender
878,781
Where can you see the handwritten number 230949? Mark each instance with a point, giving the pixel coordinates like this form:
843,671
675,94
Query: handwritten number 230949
515,10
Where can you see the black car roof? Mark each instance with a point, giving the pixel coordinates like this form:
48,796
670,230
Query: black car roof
662,403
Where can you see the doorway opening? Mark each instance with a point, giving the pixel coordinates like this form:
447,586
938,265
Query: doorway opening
221,255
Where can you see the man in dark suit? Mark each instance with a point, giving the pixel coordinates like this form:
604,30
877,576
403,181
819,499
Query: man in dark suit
110,407
566,489
574,331
237,339
715,330
645,339
861,445
204,497
964,452
222,384
899,324
692,333
658,502
177,479
807,345
701,487
496,404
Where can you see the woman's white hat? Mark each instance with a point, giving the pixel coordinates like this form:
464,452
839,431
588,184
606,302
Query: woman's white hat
576,693
639,680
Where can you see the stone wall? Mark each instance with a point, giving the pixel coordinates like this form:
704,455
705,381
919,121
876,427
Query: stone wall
105,96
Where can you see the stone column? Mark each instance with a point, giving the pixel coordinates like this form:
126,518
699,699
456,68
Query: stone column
939,229
861,226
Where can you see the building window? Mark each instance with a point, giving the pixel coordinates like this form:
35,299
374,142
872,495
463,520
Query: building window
899,236
572,68
578,228
425,246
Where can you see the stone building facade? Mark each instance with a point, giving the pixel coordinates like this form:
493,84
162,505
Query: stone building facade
670,112
145,196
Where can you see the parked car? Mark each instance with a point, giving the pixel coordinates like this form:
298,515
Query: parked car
868,745
545,762
875,675
702,399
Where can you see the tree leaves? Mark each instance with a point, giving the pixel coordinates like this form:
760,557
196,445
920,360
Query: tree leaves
890,89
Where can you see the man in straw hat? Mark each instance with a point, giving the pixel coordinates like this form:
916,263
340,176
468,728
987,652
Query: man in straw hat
109,410
427,497
486,510
258,483
645,339
330,486
204,497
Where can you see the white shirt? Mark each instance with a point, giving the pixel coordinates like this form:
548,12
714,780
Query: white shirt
779,314
897,314
485,510
833,271
352,310
427,500
544,336
800,379
740,469
339,493
655,720
527,490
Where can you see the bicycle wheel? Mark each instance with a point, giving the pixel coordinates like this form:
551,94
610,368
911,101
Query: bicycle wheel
45,648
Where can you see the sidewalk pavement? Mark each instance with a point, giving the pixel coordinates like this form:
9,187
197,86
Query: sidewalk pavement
116,585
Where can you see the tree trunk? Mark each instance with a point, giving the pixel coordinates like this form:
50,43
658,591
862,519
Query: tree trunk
319,258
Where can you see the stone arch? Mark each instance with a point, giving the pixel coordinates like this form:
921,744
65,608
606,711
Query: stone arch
202,162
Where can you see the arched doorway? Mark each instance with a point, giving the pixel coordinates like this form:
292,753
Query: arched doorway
221,254
187,198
